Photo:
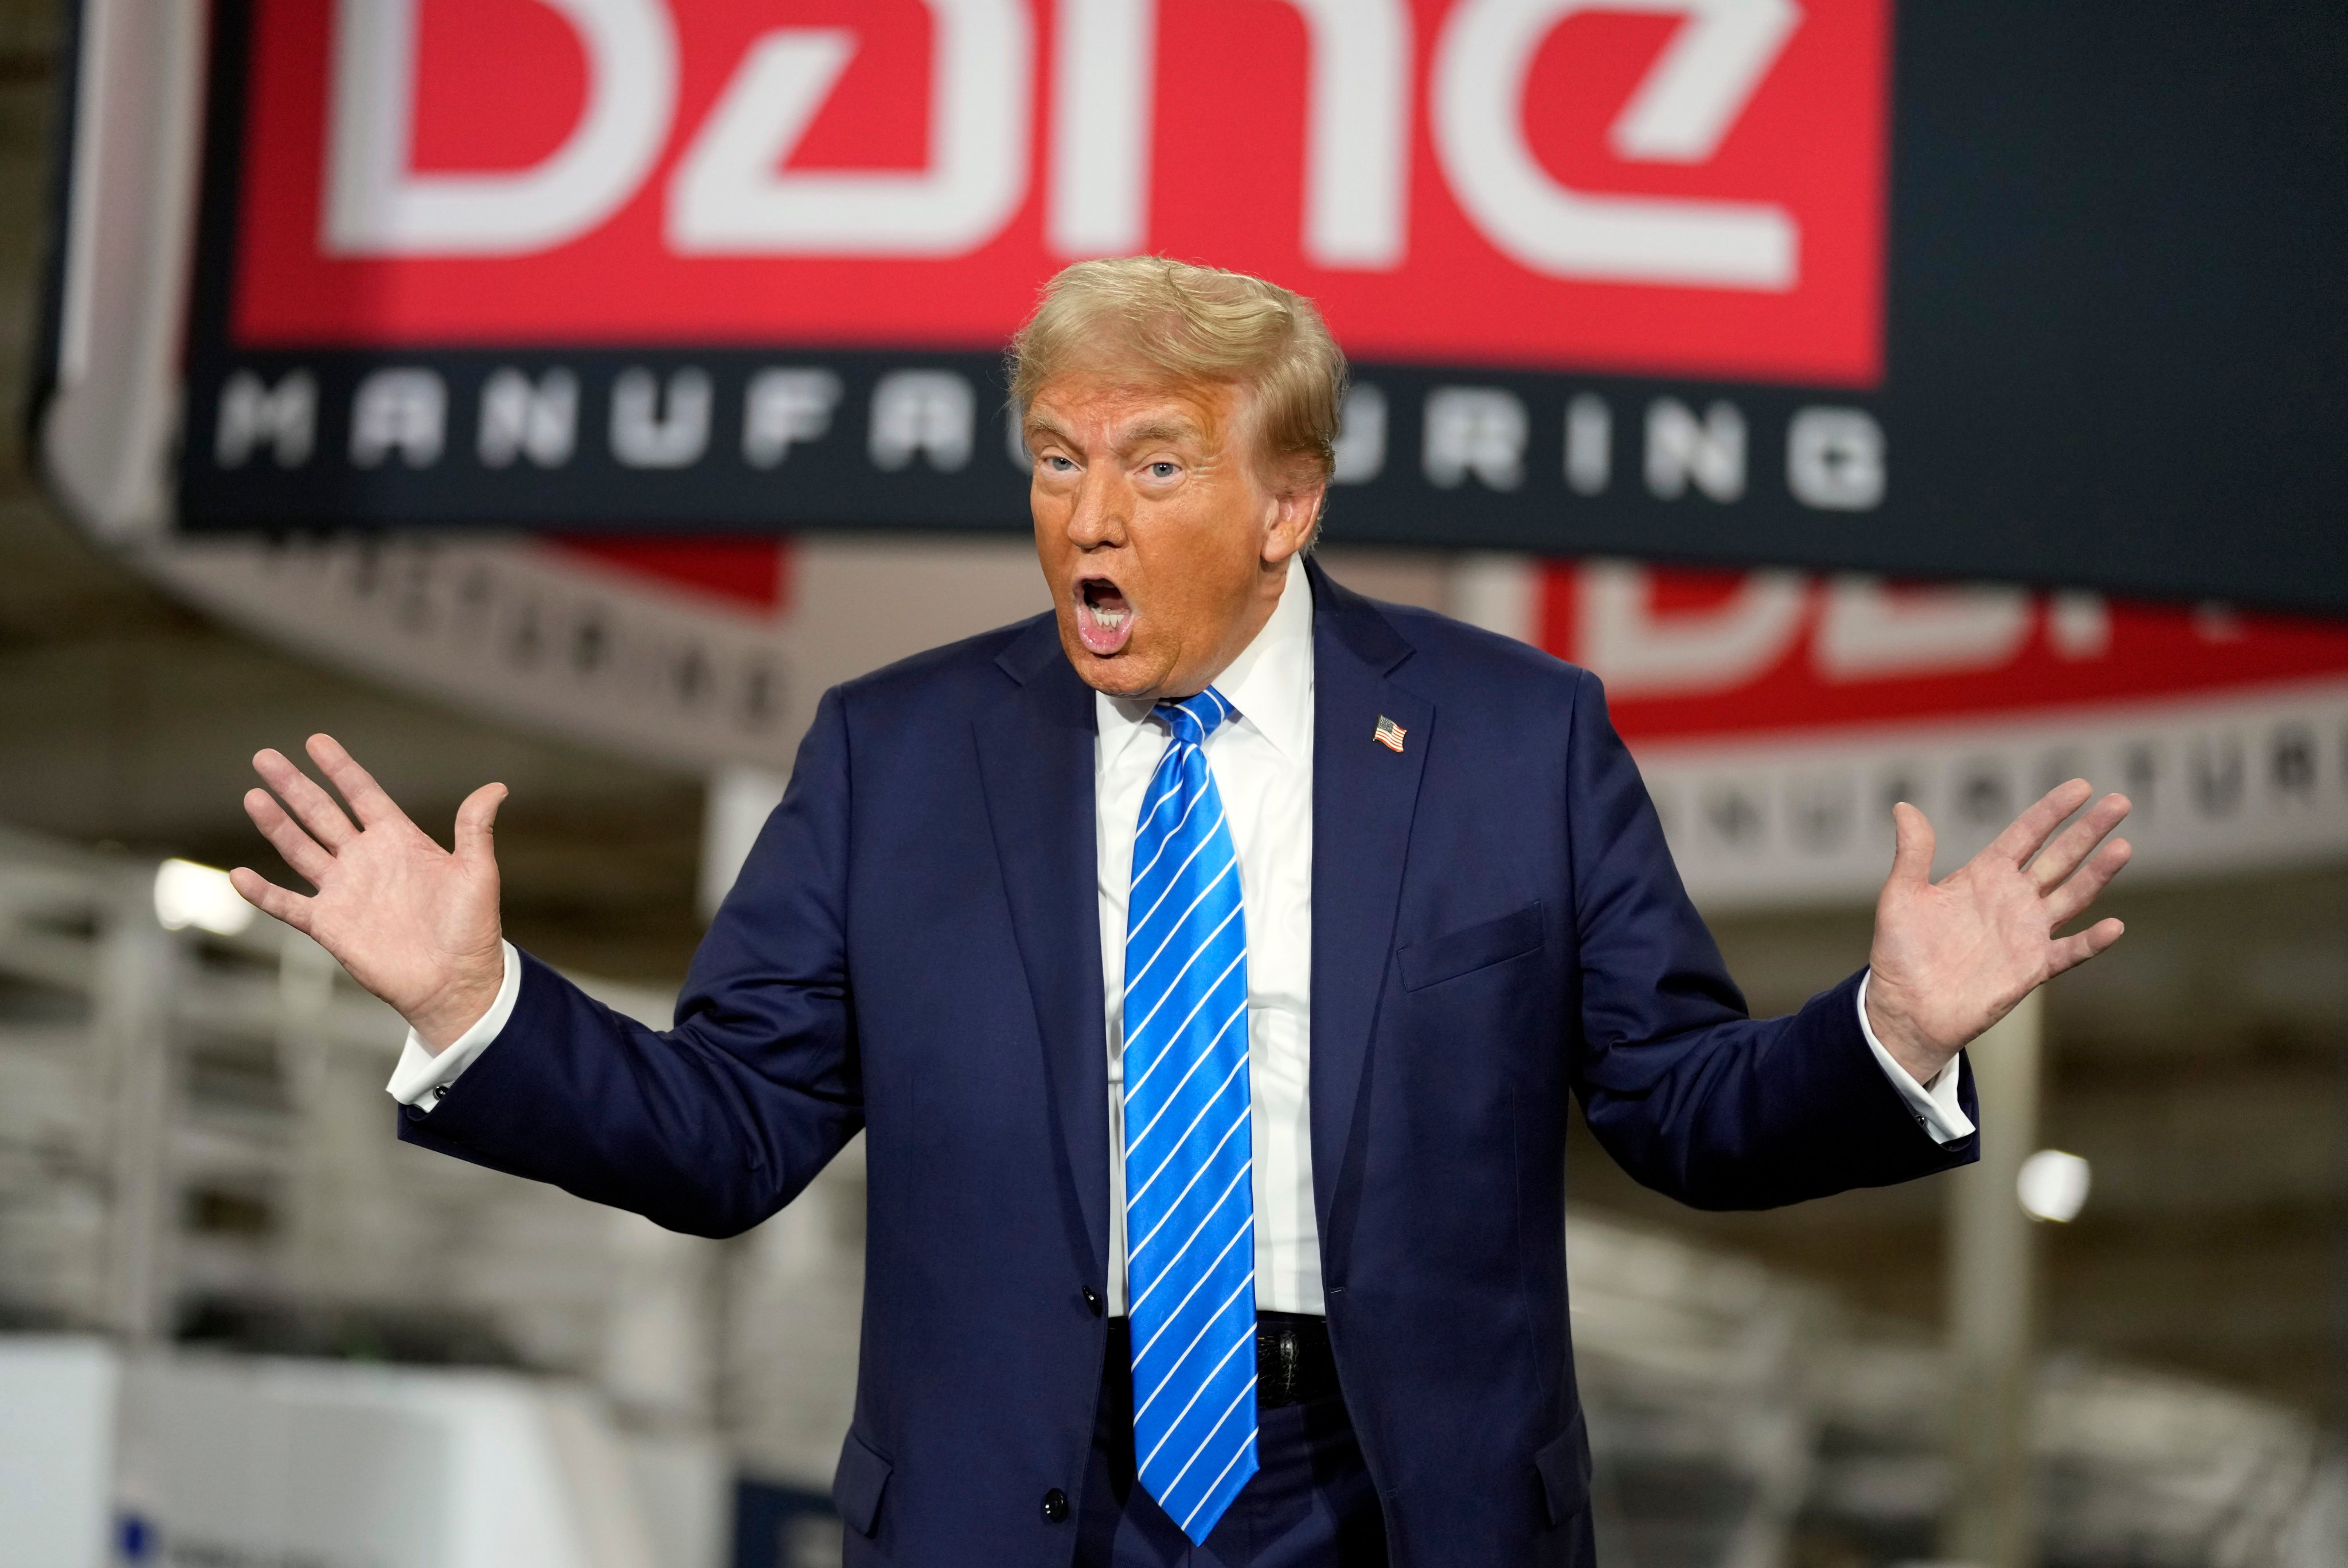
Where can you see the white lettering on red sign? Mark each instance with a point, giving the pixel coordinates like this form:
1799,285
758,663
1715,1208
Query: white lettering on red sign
730,194
1659,186
378,206
1680,112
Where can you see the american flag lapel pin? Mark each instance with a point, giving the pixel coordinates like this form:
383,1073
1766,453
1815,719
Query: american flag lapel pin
1388,734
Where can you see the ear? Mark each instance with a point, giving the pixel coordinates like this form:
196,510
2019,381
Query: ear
1295,512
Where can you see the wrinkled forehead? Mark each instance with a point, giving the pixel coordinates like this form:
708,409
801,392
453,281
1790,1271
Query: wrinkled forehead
1115,408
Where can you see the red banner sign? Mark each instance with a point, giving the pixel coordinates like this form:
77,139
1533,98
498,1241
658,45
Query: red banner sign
2014,294
1662,187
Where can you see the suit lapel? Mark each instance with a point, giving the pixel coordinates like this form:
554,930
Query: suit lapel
1364,798
1036,757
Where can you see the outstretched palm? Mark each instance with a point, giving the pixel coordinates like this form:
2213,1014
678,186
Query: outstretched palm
411,921
1953,957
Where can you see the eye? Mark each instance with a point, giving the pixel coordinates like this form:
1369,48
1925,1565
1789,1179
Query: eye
1059,464
1162,469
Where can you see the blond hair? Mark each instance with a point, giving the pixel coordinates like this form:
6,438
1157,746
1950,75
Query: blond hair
1183,325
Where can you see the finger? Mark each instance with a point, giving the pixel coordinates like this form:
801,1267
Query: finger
2075,843
2068,903
2026,833
477,823
2070,952
1912,856
300,851
368,802
270,899
312,806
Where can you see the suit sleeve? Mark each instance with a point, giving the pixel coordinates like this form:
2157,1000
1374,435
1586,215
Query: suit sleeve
712,1125
1692,1096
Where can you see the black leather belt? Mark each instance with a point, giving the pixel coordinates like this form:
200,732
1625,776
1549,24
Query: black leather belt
1294,1362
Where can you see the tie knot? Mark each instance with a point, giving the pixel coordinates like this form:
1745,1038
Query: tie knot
1195,717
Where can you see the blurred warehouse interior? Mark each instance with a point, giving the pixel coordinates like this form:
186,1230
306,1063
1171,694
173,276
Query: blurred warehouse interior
193,1152
198,1176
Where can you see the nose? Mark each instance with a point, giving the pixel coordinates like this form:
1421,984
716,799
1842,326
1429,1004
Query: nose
1103,507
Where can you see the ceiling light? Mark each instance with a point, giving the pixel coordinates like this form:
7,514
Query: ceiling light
189,894
2053,1185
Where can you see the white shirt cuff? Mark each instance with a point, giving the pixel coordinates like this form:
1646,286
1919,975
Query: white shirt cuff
1934,1105
422,1077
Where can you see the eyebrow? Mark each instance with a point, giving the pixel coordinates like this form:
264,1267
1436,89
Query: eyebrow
1169,427
1035,427
1163,430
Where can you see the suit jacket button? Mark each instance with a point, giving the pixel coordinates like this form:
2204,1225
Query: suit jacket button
1055,1505
1092,1301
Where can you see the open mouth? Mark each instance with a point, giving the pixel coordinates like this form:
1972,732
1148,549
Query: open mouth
1103,618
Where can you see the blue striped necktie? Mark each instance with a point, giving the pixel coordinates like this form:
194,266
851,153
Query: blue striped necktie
1190,1209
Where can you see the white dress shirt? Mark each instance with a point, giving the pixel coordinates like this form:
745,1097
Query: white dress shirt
1262,764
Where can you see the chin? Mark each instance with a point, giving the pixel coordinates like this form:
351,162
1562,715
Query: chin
1113,677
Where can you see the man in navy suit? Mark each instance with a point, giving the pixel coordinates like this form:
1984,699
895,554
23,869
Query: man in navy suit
1208,965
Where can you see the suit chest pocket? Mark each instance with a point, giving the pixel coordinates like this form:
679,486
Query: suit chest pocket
1470,948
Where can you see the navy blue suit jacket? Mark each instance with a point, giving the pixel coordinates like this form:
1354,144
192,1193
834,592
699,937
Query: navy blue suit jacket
913,950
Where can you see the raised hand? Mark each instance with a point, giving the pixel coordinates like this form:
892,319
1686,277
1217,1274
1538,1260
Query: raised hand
1953,957
412,922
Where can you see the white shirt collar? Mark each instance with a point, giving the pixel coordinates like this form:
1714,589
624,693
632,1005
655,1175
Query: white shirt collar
1271,682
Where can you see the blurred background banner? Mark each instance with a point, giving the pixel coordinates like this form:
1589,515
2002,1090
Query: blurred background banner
1985,289
1776,716
1778,719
